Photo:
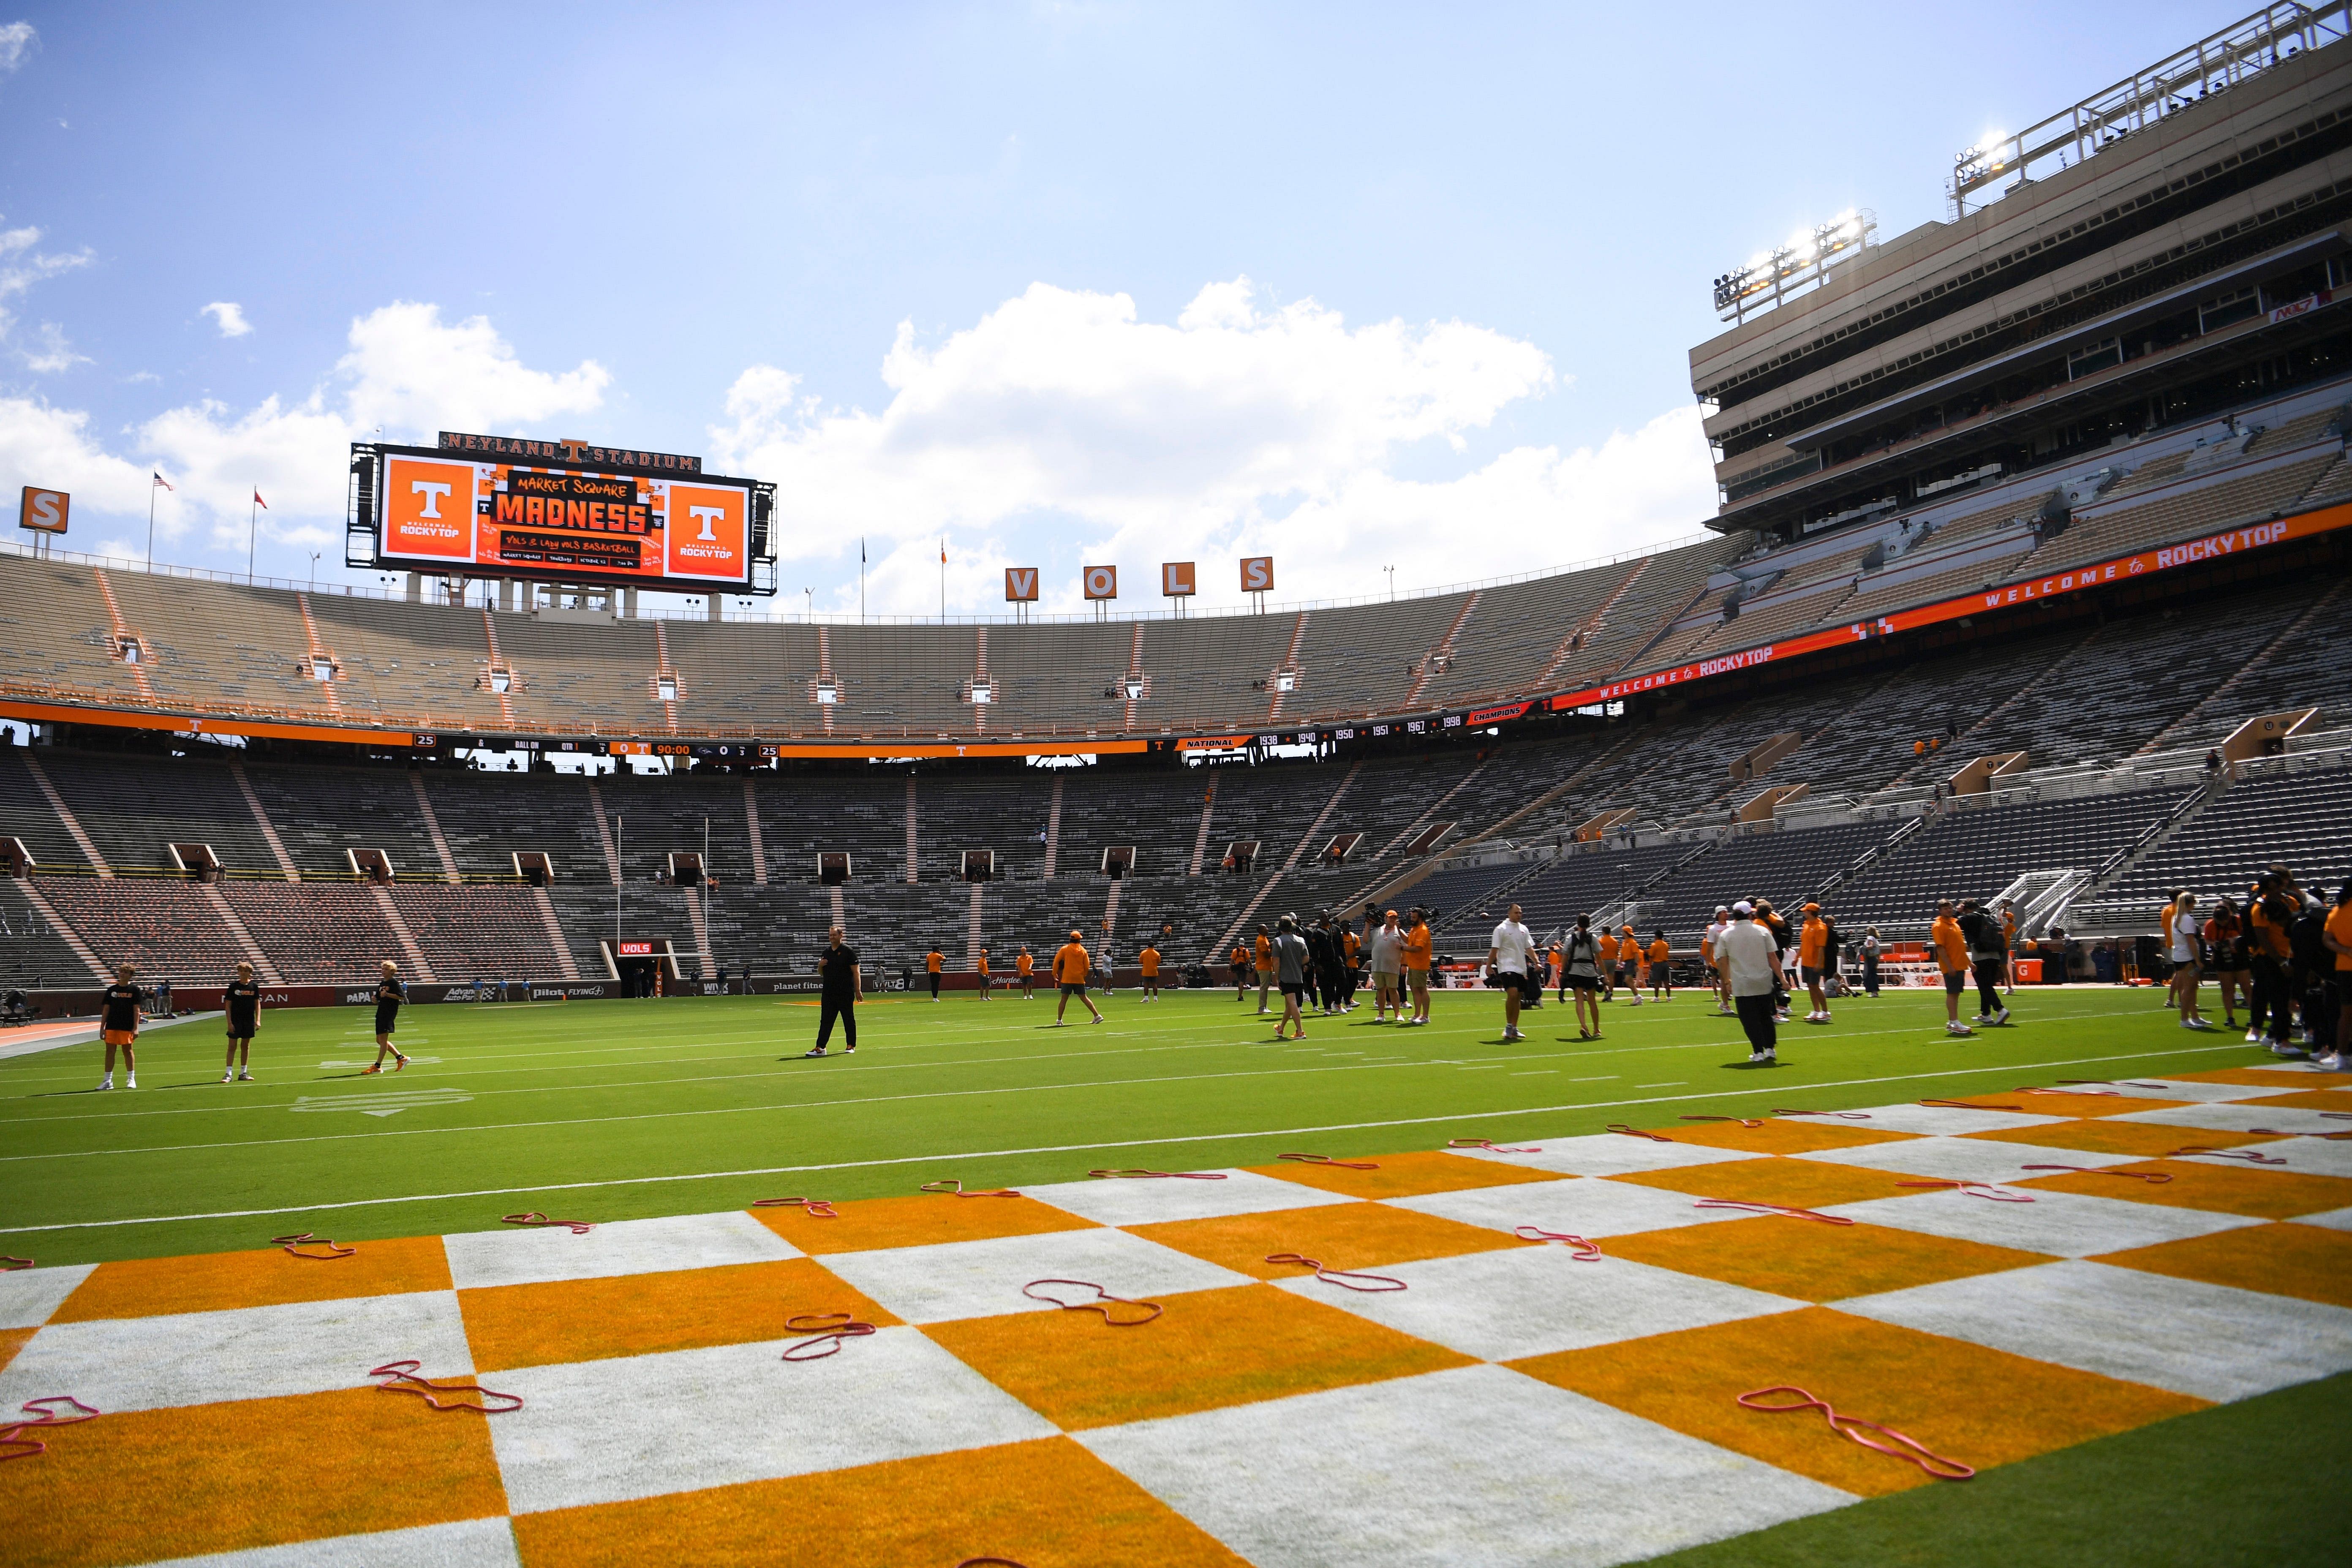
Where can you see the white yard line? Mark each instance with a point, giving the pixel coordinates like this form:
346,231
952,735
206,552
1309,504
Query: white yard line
1044,1149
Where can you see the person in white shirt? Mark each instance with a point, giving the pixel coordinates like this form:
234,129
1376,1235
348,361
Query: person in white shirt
1388,969
1746,956
2182,949
1715,929
1508,952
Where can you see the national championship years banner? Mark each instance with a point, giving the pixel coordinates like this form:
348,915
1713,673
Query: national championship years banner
445,514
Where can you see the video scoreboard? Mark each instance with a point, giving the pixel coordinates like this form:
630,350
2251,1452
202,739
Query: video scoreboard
480,506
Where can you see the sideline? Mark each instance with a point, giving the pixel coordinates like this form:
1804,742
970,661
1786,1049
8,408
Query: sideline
1084,1148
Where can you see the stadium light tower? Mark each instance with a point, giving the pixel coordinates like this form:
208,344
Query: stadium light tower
1803,260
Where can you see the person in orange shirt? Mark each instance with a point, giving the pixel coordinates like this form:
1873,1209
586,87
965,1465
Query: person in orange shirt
1416,965
1812,961
2338,938
986,985
1555,957
1148,960
1071,966
1608,946
932,962
1241,962
1629,960
2269,915
1022,964
1952,958
1351,949
1662,976
1265,966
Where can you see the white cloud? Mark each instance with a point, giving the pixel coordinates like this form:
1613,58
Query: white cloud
406,370
16,41
230,318
54,353
21,266
1061,420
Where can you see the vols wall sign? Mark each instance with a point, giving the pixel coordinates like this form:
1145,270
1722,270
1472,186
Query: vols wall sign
1176,579
1020,584
1258,574
1101,582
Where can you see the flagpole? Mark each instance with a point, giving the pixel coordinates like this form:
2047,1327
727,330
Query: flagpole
252,527
150,525
861,581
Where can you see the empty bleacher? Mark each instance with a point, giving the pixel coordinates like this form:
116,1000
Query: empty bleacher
1975,853
2301,819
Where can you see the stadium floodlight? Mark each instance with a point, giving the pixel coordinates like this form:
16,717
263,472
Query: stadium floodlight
2246,47
1772,276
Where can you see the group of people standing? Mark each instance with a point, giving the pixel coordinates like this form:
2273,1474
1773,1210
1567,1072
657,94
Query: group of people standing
2288,954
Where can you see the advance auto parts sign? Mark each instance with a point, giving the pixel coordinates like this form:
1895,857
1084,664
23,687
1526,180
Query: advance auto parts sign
512,520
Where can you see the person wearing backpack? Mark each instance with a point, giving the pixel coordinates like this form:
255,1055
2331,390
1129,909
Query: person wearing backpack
1581,972
2313,977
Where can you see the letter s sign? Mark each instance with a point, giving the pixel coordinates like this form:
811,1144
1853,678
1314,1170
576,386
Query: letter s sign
1258,574
43,510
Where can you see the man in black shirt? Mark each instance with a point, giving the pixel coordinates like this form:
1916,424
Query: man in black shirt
118,1026
1988,956
389,994
841,980
242,998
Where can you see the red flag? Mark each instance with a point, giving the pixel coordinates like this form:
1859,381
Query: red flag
258,501
160,479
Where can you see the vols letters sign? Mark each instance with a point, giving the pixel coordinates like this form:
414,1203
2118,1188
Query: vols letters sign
1020,584
1176,579
1101,582
509,520
1258,574
43,510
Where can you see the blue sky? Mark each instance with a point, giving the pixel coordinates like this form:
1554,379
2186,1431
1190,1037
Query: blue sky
1352,285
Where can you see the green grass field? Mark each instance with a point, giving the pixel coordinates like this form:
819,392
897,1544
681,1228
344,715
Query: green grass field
623,1110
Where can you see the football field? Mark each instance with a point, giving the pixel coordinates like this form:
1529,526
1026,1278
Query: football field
627,1109
2098,1264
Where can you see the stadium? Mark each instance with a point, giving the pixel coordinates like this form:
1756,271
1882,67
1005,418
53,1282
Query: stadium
2001,705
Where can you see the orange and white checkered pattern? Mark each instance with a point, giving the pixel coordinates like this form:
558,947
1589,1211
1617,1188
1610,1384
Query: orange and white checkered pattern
1512,1403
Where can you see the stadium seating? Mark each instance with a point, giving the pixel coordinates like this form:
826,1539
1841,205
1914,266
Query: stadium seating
1974,853
168,929
2301,819
33,953
319,934
1786,867
477,933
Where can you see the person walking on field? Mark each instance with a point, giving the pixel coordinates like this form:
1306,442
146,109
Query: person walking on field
1952,959
389,994
1417,943
1071,965
118,1026
1581,973
1714,961
1240,958
1988,956
843,980
241,999
2225,939
1607,943
1750,964
1509,954
1388,970
1290,957
986,985
1629,963
1661,968
1870,962
2182,939
1264,956
1147,959
1026,968
932,962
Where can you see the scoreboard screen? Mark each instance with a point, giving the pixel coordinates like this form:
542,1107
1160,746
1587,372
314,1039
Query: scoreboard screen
565,522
